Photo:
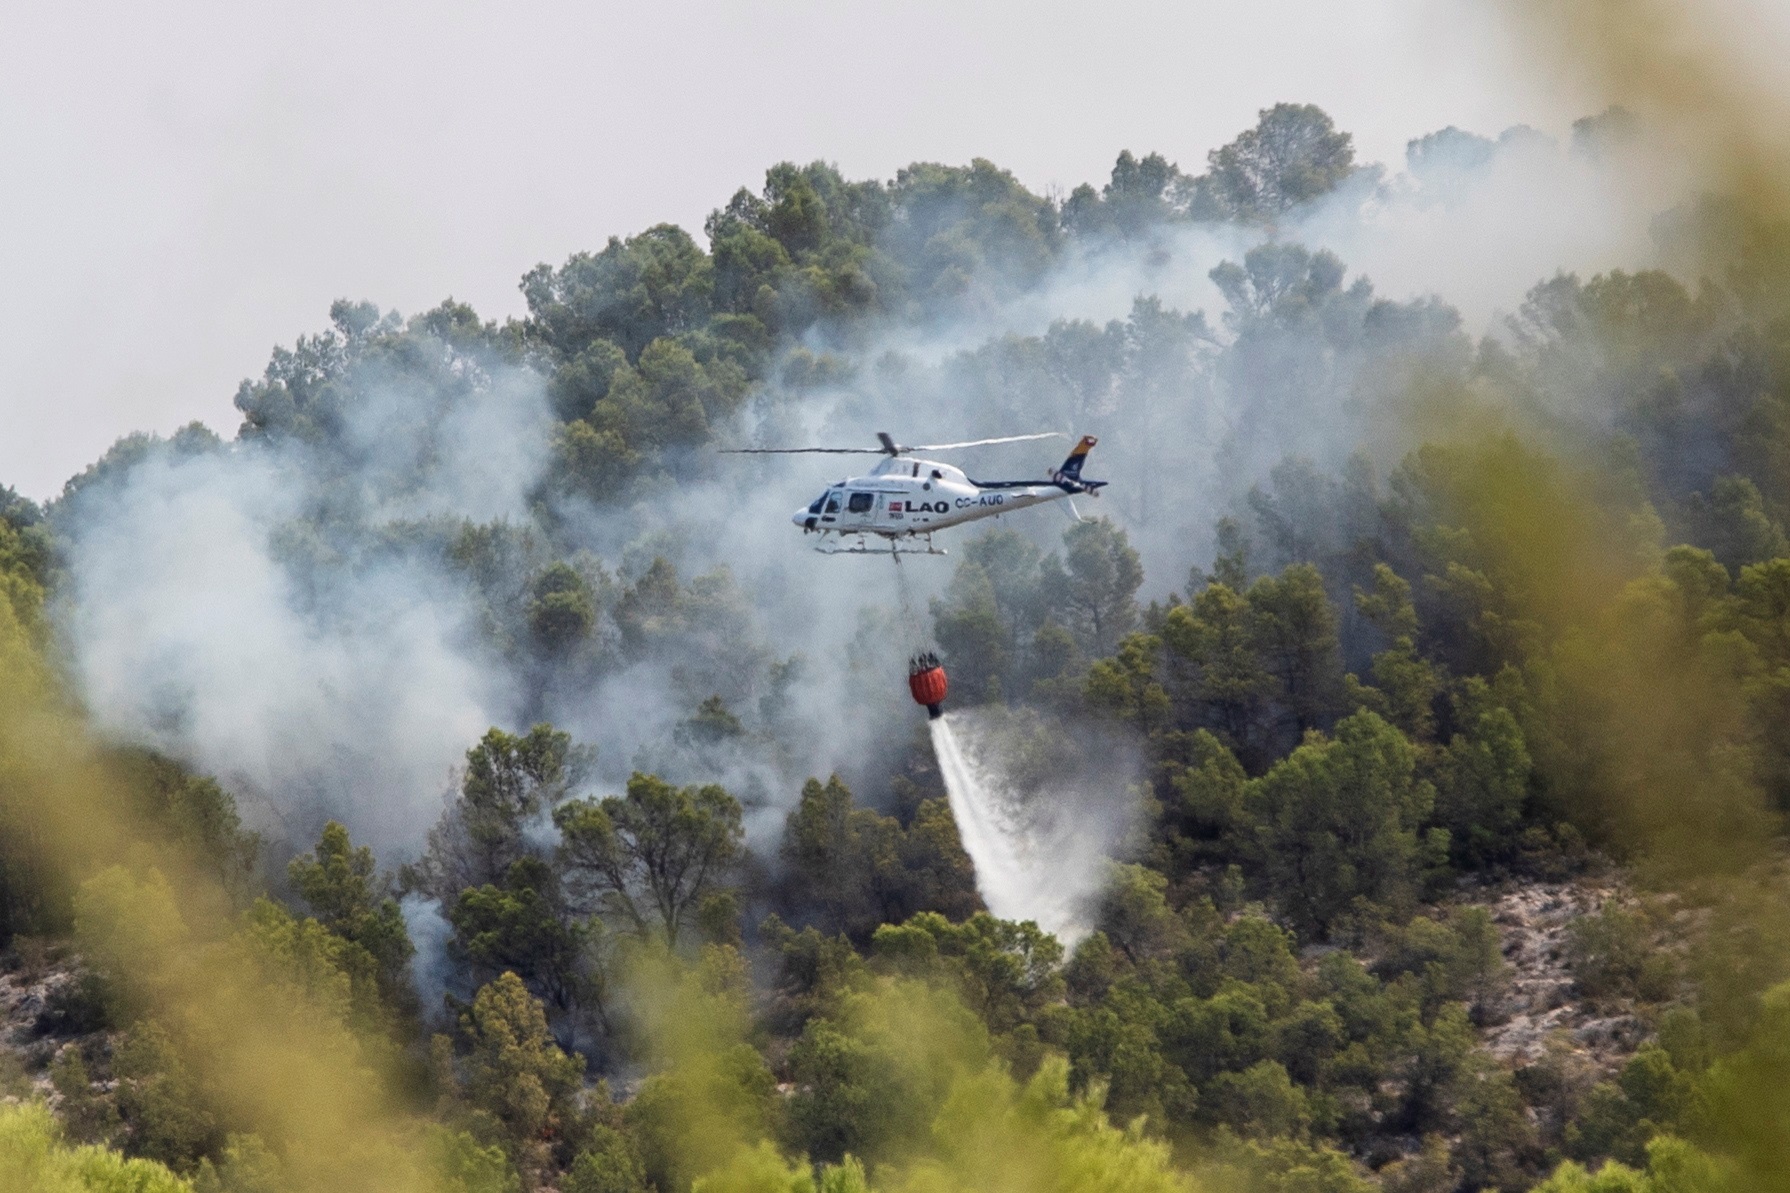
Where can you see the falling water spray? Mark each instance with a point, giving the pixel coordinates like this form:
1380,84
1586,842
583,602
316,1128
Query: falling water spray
1041,842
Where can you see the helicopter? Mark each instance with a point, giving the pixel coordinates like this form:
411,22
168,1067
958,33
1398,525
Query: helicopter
904,499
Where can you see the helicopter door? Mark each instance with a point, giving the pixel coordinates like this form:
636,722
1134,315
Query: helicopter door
859,507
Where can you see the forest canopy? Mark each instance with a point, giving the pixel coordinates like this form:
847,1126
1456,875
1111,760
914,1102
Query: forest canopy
1393,640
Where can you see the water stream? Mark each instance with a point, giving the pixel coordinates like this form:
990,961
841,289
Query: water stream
1039,855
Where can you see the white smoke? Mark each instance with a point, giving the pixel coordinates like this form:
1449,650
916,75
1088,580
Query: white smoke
1479,234
240,608
430,969
214,615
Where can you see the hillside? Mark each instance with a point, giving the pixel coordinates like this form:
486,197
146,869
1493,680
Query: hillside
463,778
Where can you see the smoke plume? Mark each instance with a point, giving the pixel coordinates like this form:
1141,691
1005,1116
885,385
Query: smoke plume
289,617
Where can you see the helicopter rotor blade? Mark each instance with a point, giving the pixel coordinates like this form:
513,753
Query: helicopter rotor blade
798,451
941,447
889,447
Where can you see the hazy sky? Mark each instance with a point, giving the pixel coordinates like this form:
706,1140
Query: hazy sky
185,185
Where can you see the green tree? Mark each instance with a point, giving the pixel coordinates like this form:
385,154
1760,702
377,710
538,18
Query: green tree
331,974
246,1165
561,611
1140,195
1004,971
1440,1058
1747,1111
1259,953
1294,154
801,250
671,398
832,851
1457,960
712,725
1498,1146
609,1163
340,884
1279,1166
1096,585
651,857
1222,684
1013,566
1260,1101
1483,781
1127,686
1337,824
584,380
1650,1096
1294,630
937,873
520,1087
845,1101
1733,523
510,779
968,230
1135,916
1673,1166
523,926
633,292
594,464
1613,955
1406,684
1205,814
859,869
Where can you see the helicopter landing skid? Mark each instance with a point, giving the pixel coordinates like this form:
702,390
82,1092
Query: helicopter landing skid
860,544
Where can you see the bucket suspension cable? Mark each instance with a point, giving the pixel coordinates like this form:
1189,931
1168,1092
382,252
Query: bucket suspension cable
926,680
911,624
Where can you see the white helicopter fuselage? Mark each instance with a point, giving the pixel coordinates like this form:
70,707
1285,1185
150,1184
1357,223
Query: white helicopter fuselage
904,496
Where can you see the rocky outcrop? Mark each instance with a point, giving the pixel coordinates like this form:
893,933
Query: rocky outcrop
1544,1005
34,998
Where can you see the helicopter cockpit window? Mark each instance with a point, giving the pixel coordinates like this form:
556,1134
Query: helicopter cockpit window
860,503
833,502
818,502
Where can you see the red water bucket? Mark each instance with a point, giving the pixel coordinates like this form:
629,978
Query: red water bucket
926,680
